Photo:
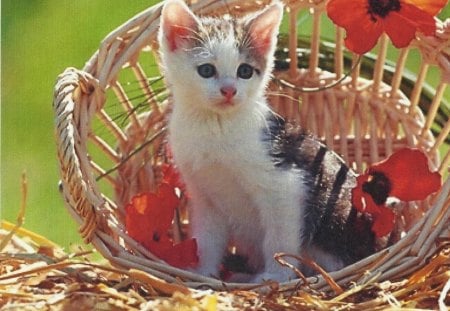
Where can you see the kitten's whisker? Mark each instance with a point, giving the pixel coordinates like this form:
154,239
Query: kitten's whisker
276,116
284,95
131,154
194,38
274,113
193,35
261,115
246,42
319,88
140,103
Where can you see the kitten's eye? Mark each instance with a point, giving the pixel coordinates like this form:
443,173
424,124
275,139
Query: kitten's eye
206,70
245,71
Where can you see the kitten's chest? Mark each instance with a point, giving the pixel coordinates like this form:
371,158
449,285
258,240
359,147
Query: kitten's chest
196,146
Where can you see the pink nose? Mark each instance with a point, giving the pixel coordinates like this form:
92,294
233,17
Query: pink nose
228,91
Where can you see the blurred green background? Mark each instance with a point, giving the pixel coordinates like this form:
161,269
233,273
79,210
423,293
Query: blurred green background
39,40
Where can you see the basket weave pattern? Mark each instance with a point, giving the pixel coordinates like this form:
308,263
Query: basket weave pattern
364,119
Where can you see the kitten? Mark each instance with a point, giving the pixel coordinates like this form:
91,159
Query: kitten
251,182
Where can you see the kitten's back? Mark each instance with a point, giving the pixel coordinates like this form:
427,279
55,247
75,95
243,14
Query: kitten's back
332,223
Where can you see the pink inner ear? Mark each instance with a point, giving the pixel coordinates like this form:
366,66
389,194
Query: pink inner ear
264,27
261,44
178,23
175,35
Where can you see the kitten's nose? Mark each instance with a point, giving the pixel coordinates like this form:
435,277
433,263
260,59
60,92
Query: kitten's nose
228,91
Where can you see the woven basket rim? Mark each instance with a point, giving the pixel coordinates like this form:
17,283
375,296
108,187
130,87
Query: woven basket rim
80,94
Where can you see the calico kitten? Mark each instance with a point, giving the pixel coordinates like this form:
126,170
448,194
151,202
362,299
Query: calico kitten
251,182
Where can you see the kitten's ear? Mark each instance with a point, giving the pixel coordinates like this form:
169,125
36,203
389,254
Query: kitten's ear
178,23
263,28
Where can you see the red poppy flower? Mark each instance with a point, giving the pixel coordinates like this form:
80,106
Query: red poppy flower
404,175
365,20
148,220
172,177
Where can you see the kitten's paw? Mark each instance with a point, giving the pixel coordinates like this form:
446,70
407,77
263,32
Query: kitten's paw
237,277
270,276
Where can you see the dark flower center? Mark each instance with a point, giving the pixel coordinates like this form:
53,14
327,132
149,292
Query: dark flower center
378,186
382,8
156,237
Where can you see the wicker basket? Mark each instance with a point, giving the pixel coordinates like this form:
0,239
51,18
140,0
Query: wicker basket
111,126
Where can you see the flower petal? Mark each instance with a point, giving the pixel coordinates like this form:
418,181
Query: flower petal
339,12
432,7
423,21
137,220
181,255
408,172
362,30
364,37
149,217
383,222
170,174
167,198
402,26
400,30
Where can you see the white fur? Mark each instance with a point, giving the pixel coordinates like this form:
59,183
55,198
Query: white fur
236,192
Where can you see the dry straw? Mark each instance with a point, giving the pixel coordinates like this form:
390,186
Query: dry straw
110,120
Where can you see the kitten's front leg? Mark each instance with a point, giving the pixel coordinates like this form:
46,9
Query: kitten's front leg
210,231
282,225
278,240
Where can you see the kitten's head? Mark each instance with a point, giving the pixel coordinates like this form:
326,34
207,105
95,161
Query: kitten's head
217,64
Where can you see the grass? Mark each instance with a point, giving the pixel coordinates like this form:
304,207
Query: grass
39,40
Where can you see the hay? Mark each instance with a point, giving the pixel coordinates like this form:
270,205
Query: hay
36,274
43,277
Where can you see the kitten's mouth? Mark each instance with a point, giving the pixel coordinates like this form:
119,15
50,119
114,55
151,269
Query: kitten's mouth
227,103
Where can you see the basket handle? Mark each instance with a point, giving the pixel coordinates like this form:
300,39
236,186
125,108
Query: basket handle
77,97
436,49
